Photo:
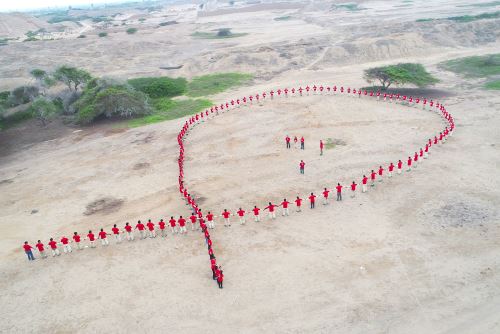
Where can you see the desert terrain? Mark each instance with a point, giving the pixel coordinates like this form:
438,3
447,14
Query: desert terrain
417,254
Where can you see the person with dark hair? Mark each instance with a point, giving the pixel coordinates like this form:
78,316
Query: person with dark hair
116,234
140,226
312,200
220,277
41,249
91,238
128,231
151,229
302,143
53,247
225,215
256,213
272,213
284,204
28,250
104,237
161,225
298,203
339,192
302,166
353,189
287,140
76,240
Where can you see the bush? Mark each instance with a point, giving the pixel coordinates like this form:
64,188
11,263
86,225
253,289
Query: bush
160,86
216,83
131,31
475,66
43,109
493,85
103,34
22,95
82,36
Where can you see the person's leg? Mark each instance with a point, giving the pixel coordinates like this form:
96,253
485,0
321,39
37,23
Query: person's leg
399,170
69,248
340,194
57,252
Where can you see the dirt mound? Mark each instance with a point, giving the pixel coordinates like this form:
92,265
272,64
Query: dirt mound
103,205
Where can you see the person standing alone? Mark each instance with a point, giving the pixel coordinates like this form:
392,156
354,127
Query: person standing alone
302,143
321,145
302,166
287,140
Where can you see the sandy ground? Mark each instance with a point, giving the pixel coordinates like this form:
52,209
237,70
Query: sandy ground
419,254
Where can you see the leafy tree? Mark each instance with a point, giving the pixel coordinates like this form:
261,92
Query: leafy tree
156,87
400,74
38,74
103,34
23,94
43,109
72,76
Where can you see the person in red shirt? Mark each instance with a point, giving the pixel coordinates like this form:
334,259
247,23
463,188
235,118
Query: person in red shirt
140,226
151,229
256,213
173,226
91,238
104,237
295,141
298,203
391,169
241,215
353,189
287,140
302,165
426,151
116,234
325,196
339,192
364,182
409,164
380,174
128,232
76,240
182,225
210,220
66,246
312,200
400,166
226,214
193,219
41,249
28,250
373,175
161,226
302,143
284,205
272,213
53,247
321,147
220,277
415,160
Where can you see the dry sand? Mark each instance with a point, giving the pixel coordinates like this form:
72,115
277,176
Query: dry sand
427,242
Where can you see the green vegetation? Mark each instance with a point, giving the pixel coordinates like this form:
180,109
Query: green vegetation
100,19
157,87
72,76
102,34
30,39
22,95
467,18
352,7
493,85
425,20
168,23
167,109
66,18
215,83
329,144
220,34
282,18
131,31
484,4
400,74
475,66
14,119
3,41
142,19
43,109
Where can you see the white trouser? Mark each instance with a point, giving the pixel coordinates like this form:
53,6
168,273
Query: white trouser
162,232
130,236
364,188
272,215
408,169
299,209
399,170
183,229
118,238
92,244
415,163
67,248
105,242
227,222
143,235
425,155
152,233
286,212
193,226
353,193
42,254
325,200
380,178
78,246
257,218
390,174
173,229
211,224
242,220
55,252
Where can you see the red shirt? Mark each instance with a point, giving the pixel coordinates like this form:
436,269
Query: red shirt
365,179
40,247
162,224
115,230
391,167
339,188
128,228
301,165
312,198
53,244
226,214
91,236
298,201
400,164
321,144
325,193
140,226
64,240
409,161
302,139
353,186
380,171
287,139
193,219
210,217
284,204
270,207
241,213
27,248
373,174
256,211
102,235
172,222
151,226
182,221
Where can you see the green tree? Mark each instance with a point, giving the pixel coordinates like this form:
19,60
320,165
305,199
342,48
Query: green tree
131,31
72,76
43,109
400,74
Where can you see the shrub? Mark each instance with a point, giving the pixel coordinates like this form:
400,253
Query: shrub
43,109
475,66
216,83
103,34
72,76
23,94
156,87
131,31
